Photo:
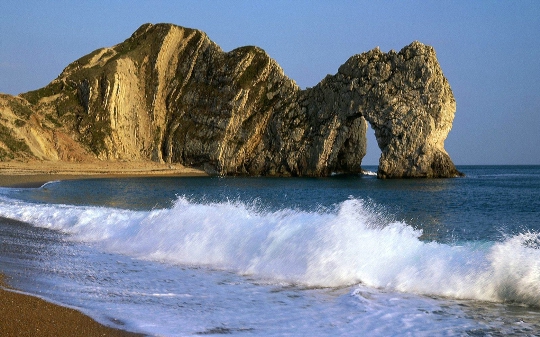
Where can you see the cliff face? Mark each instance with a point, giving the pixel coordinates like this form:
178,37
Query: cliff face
409,104
170,94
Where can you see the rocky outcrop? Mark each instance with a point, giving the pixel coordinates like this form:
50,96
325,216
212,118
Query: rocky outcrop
409,104
169,94
27,133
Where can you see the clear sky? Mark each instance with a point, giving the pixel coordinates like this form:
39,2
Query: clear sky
488,50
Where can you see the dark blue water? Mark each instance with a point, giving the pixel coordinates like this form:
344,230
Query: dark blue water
344,255
490,203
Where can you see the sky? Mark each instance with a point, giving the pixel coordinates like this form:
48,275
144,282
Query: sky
488,50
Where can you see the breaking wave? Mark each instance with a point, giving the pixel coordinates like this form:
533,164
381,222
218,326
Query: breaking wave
353,244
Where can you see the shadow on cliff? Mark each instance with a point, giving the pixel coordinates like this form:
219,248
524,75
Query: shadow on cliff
170,94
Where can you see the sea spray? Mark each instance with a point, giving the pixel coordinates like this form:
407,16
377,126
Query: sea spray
515,276
351,245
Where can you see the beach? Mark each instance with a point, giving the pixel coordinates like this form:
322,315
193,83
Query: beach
25,315
36,173
345,255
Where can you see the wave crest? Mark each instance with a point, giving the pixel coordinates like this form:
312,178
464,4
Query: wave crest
356,243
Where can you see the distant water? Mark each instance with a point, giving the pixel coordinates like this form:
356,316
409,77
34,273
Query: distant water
346,255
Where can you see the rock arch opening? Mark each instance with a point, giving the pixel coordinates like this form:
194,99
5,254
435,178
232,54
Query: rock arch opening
373,152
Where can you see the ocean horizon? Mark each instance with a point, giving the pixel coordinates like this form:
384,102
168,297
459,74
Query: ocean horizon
252,256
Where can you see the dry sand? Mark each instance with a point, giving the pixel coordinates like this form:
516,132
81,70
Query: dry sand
24,315
36,173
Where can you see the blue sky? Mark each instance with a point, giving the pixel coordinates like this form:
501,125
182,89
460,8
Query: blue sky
488,50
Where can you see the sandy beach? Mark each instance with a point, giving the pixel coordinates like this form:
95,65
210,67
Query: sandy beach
24,315
36,173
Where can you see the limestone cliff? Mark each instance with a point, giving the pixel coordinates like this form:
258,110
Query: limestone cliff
169,94
27,133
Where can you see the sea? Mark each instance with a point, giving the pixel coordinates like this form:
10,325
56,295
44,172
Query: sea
347,255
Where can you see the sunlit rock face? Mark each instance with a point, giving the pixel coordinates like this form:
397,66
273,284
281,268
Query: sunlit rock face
409,103
169,94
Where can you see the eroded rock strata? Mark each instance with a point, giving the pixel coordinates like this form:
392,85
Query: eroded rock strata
169,94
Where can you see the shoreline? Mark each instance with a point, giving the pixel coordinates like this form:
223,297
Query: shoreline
26,315
36,173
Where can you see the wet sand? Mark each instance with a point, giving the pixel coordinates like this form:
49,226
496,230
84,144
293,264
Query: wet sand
24,315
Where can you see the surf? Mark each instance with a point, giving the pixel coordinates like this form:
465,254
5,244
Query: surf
354,243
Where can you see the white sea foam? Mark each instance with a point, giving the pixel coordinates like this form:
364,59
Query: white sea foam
50,183
352,245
